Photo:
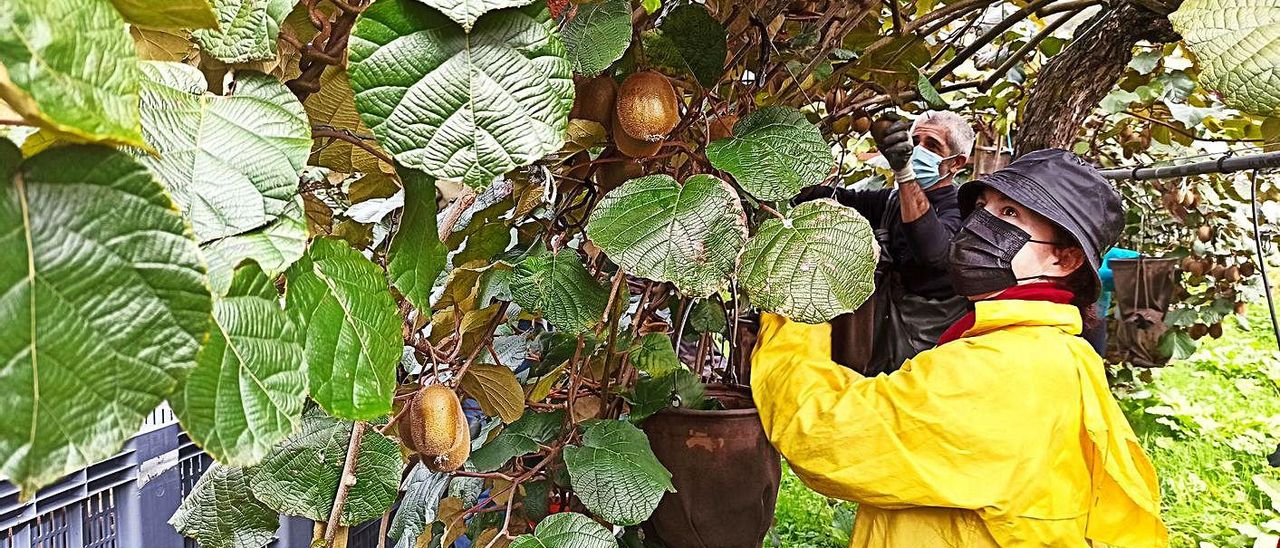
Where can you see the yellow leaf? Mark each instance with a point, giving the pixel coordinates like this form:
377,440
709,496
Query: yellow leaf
450,514
582,134
335,106
191,14
172,45
542,388
486,537
496,389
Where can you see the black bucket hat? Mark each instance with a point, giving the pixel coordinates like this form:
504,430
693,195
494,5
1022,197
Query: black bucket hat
1065,189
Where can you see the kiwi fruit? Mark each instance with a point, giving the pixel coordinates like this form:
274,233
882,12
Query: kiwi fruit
1204,233
593,99
1215,330
435,417
611,175
1232,274
648,107
880,128
1241,308
1217,271
1247,269
635,148
1198,331
861,123
1190,264
722,127
455,456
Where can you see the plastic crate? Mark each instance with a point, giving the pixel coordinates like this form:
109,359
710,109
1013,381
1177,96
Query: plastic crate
124,501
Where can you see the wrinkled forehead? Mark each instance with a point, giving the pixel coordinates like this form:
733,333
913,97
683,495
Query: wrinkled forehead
933,136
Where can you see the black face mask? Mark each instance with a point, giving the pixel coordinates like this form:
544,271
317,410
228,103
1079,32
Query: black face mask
981,254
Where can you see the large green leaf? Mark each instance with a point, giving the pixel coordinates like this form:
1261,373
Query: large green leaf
615,473
191,14
417,255
221,512
689,235
519,438
677,388
567,530
812,266
466,12
654,355
274,247
352,329
471,106
597,34
697,39
231,163
248,30
773,153
557,286
300,478
71,68
245,394
104,303
1238,45
422,491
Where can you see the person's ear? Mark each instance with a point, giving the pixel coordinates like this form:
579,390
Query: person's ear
1067,260
954,165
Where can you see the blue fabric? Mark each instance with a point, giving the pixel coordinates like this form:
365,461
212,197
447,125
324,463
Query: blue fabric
1109,279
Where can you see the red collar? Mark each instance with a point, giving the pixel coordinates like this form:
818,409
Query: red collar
1041,291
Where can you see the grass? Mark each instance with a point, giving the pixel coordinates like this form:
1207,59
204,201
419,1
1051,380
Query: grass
1208,423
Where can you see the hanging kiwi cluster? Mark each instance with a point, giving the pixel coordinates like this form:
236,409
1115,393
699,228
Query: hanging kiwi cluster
639,115
436,429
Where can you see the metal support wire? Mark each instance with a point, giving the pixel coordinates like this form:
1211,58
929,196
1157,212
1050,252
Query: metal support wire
1262,260
1226,164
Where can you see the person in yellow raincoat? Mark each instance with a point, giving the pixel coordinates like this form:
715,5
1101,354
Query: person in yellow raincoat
1006,433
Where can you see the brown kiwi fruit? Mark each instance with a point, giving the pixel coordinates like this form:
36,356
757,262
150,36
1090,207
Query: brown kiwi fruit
454,457
648,107
722,127
1215,330
1217,271
1189,264
1247,269
879,128
1204,233
861,123
593,99
611,175
1198,331
1241,308
631,146
431,426
1232,274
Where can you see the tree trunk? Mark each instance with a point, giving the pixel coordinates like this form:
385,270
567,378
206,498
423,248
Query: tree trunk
1073,82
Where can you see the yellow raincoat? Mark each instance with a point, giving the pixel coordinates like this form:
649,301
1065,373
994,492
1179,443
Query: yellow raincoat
1006,437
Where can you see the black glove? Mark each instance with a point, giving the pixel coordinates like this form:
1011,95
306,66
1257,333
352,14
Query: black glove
895,142
815,192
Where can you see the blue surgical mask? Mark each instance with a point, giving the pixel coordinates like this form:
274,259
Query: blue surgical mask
924,163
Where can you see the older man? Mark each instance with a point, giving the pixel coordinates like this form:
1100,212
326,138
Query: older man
914,222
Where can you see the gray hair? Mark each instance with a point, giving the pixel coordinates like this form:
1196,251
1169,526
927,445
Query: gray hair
959,133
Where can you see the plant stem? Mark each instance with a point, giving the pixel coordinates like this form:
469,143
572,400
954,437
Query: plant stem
345,482
321,132
493,324
382,529
460,206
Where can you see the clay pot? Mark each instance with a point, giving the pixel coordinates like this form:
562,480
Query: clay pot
725,472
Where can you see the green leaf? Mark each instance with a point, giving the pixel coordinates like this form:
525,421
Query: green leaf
1176,344
231,163
598,33
1146,61
417,256
689,235
190,14
221,512
71,68
698,39
1238,45
422,491
676,388
300,477
466,12
471,106
246,393
708,316
566,530
773,153
248,30
558,287
352,329
615,473
654,354
812,266
928,92
517,439
651,6
104,303
274,247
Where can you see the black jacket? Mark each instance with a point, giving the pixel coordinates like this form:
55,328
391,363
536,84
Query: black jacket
918,248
